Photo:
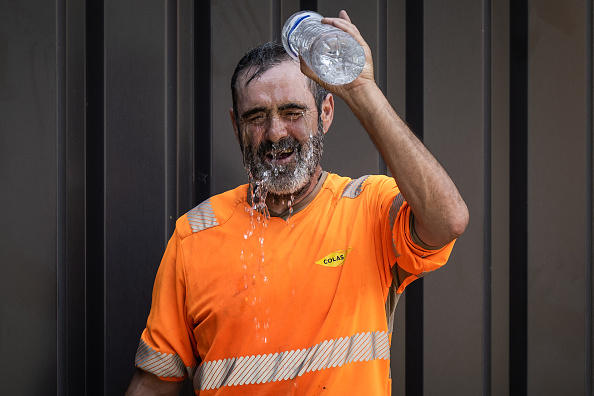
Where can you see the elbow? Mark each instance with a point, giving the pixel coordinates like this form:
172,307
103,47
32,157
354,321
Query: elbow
449,225
459,221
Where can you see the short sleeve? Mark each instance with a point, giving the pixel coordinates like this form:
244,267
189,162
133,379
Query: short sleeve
404,260
413,261
167,346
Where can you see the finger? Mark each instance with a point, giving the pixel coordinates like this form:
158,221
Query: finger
348,27
342,24
343,15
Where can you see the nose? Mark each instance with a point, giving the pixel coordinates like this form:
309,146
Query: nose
276,129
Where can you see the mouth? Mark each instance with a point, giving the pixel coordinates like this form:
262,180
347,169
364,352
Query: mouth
280,156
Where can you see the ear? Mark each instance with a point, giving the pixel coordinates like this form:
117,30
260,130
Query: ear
327,112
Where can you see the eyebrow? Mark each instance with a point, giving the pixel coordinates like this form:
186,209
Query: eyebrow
292,106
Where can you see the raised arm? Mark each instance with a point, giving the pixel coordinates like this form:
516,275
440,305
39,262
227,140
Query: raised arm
439,211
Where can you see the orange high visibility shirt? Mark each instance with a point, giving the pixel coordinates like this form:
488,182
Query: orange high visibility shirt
245,305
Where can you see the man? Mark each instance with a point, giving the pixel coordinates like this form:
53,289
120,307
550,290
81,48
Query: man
288,285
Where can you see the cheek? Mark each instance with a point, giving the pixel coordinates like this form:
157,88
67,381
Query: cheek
250,137
305,129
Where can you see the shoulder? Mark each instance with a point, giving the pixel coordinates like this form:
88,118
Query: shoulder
212,212
345,187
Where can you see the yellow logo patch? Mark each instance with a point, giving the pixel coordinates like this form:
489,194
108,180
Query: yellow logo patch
334,259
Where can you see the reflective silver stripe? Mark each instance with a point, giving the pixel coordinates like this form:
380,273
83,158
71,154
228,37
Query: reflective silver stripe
160,364
353,189
394,209
273,367
393,297
202,217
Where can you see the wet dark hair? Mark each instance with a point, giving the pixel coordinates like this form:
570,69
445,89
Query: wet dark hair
259,60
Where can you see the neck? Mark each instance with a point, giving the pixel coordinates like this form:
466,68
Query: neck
281,203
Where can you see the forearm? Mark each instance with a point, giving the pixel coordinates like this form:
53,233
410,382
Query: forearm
144,383
440,213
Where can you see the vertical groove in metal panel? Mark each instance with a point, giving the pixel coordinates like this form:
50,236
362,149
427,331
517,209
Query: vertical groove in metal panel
589,374
186,194
170,118
311,5
518,260
414,117
382,61
415,66
61,270
202,101
276,22
95,199
487,198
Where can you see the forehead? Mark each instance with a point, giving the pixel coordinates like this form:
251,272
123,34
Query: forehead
283,83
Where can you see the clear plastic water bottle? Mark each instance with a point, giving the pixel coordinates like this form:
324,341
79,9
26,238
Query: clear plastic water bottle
333,54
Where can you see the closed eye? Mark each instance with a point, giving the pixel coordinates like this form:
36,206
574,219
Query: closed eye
256,118
255,114
293,114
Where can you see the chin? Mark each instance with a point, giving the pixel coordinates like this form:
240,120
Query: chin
291,185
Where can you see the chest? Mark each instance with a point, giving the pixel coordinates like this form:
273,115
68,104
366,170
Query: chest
276,281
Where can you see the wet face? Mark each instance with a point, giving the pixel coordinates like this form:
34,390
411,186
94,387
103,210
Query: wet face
280,130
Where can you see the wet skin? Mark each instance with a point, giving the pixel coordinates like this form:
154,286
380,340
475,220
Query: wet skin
277,116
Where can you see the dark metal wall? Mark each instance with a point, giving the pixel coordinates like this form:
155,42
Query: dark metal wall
114,121
28,170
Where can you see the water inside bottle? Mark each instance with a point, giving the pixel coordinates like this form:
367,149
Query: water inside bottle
336,60
334,55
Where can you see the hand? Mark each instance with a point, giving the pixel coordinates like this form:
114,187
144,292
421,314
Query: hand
343,22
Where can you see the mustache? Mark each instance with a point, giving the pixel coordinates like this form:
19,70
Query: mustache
288,142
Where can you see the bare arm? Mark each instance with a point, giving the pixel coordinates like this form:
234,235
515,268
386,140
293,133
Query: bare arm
440,212
144,383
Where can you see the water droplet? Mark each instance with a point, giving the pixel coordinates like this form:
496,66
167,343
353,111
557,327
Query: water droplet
290,203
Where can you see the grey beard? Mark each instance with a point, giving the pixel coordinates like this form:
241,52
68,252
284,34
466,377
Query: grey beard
284,180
